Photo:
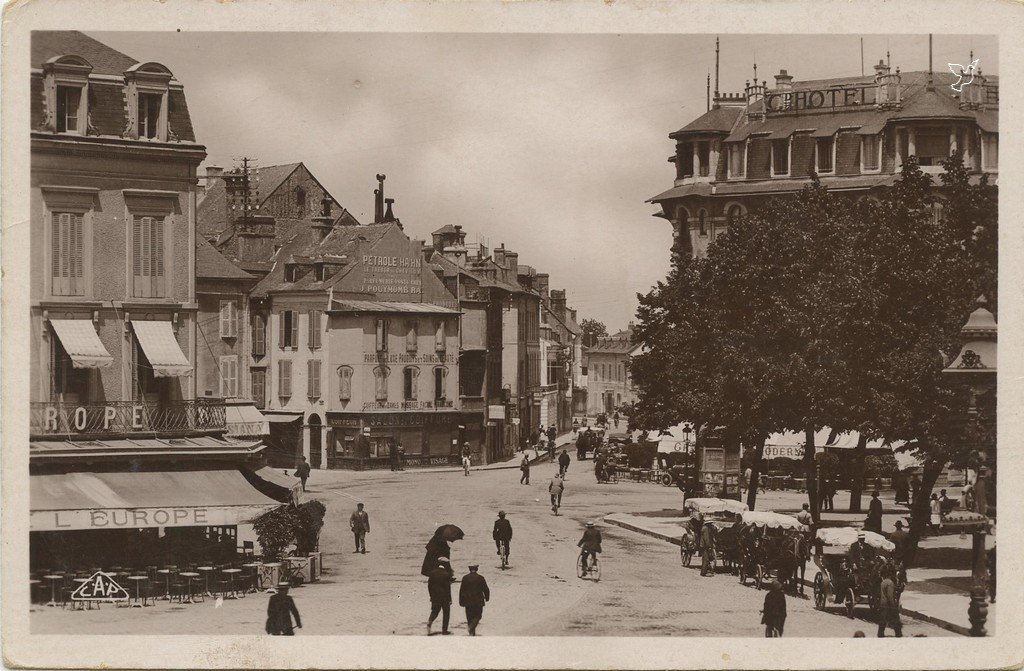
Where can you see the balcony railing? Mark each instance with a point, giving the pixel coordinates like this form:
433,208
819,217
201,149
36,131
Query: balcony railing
120,417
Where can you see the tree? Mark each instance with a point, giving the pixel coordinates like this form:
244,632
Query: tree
591,330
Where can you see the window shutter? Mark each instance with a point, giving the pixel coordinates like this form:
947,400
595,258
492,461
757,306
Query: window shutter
410,338
259,347
157,261
414,395
284,375
77,264
224,305
136,254
281,318
295,328
439,344
258,387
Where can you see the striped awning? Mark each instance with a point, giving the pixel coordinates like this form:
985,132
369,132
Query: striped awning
78,336
161,348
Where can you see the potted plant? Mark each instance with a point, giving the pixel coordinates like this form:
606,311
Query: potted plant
310,516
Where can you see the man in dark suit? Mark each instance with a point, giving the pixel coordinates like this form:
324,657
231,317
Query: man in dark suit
473,594
280,610
302,472
439,586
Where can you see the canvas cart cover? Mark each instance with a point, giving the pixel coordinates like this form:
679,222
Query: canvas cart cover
78,336
125,500
710,505
764,518
847,536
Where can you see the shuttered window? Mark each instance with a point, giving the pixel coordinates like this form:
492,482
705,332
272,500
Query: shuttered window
289,331
380,382
870,149
228,319
259,336
382,335
410,338
344,383
259,388
229,376
284,378
990,151
314,328
67,242
439,344
410,378
148,257
313,378
440,380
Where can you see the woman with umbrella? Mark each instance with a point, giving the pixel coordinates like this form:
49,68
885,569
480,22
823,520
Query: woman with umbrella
438,546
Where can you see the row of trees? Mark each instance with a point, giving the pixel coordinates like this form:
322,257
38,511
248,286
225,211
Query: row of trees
820,311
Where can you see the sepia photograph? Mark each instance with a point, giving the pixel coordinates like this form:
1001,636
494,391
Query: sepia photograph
542,335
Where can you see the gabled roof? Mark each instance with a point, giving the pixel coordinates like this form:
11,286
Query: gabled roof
104,60
447,228
211,264
272,176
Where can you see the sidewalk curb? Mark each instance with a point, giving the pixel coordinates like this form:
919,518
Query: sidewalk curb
914,614
511,464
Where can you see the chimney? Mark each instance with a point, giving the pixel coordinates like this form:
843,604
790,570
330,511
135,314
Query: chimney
499,255
378,200
512,261
558,303
784,81
542,285
881,69
324,223
213,173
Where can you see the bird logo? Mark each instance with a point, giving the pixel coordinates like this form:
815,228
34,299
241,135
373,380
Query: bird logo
962,74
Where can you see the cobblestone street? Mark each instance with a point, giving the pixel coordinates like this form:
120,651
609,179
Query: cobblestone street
644,591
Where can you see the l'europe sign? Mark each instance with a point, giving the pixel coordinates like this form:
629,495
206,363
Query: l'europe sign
142,518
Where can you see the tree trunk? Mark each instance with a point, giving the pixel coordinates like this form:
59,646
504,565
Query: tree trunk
920,512
755,473
857,486
810,472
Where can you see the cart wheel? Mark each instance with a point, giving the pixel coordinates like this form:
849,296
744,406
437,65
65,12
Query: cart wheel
851,601
666,479
760,576
820,596
685,553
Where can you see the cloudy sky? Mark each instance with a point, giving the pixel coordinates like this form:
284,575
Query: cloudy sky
549,144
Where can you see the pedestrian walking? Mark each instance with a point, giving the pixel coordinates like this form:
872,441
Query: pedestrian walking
889,606
360,523
804,517
524,466
437,547
900,539
935,507
280,610
473,594
555,488
439,588
552,434
302,472
563,464
615,418
773,613
401,456
874,518
707,554
465,463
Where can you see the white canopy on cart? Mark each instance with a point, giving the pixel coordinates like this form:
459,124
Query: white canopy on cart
847,536
764,518
711,505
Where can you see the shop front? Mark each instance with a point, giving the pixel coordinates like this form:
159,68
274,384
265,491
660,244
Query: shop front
362,441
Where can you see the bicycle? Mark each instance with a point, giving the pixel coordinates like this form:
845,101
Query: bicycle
593,570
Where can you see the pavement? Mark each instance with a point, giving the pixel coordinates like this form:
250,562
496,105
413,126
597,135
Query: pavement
644,590
937,589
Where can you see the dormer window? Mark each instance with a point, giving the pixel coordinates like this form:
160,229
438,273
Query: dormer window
147,90
66,83
824,148
870,153
320,272
291,272
703,158
737,160
684,160
931,146
780,158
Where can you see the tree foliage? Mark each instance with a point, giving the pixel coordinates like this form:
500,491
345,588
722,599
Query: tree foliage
592,329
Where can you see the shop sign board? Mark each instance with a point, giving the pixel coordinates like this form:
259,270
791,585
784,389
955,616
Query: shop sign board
142,518
783,452
495,412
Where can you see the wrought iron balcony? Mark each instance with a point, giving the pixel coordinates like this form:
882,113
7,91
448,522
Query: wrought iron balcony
126,417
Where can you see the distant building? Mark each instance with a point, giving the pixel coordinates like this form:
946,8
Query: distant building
609,384
852,132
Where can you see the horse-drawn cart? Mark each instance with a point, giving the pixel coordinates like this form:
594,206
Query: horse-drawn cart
722,514
842,581
772,546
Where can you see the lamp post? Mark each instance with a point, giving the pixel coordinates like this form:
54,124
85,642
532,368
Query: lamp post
977,611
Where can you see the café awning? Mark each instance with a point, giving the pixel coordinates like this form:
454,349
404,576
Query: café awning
275,483
135,500
80,341
161,348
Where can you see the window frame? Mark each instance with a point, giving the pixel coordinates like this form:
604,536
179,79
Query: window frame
381,334
985,152
934,161
834,140
288,330
258,381
259,336
81,109
228,383
440,338
381,375
877,138
314,384
440,383
284,379
228,322
789,156
410,383
412,337
736,148
144,100
158,284
702,222
345,374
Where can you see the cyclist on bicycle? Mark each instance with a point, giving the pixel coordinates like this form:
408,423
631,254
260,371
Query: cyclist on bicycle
590,545
502,533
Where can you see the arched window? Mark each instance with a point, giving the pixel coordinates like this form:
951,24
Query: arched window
938,211
734,214
345,383
440,383
380,379
411,338
300,202
702,222
410,377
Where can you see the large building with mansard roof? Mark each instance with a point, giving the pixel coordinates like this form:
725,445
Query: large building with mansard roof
853,132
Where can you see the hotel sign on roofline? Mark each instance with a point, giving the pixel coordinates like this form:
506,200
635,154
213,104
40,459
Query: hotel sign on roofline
819,99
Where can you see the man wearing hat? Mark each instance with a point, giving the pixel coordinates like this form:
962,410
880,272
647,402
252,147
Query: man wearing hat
473,594
899,539
590,544
280,610
861,553
360,523
502,533
439,587
773,613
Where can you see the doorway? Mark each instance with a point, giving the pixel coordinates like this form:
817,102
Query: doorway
315,441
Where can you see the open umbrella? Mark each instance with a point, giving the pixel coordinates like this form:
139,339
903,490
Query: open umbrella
449,532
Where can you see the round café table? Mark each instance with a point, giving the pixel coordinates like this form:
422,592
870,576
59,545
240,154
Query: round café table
54,579
254,569
206,571
80,605
137,579
231,572
167,593
189,577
